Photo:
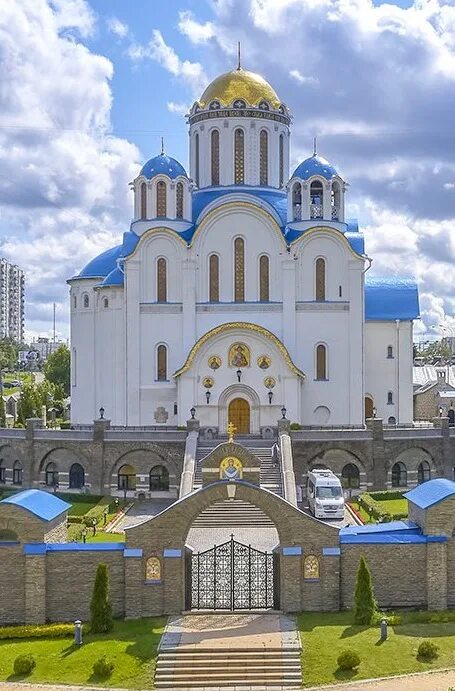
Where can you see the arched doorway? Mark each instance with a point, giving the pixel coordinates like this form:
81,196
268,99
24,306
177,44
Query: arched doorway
369,407
239,414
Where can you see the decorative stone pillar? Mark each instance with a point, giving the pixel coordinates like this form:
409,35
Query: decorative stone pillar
437,575
376,426
174,574
35,584
99,428
134,578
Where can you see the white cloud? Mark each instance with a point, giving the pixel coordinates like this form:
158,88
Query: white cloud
178,108
118,28
301,79
64,193
196,32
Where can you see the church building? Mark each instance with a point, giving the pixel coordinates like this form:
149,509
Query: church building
240,288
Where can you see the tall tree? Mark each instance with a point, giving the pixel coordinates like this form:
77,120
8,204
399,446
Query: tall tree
100,606
57,368
364,602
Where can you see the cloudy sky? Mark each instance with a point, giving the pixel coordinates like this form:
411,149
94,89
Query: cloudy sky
88,87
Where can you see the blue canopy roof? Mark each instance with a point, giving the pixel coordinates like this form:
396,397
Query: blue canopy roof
314,165
391,297
101,265
163,165
276,199
393,533
431,492
42,504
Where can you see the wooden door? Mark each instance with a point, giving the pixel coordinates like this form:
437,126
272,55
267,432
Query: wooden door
239,414
368,407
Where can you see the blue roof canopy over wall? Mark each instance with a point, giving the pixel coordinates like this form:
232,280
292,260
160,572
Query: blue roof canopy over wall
391,298
42,504
432,492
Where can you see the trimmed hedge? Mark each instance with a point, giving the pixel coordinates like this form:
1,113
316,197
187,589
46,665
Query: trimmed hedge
44,631
371,506
24,665
388,494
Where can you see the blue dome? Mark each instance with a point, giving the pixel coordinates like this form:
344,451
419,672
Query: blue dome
163,165
101,265
315,165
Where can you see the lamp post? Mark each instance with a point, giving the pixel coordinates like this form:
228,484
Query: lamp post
239,375
283,413
78,632
116,502
207,396
374,411
84,535
101,413
105,512
193,412
270,395
440,411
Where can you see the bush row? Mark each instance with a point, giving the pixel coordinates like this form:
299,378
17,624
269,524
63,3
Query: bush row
388,494
414,617
30,631
376,511
95,513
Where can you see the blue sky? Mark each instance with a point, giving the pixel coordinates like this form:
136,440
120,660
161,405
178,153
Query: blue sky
91,86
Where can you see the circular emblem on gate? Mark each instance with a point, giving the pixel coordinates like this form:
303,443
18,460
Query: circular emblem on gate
231,468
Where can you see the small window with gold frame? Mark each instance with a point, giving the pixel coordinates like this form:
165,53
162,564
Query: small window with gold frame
311,570
153,570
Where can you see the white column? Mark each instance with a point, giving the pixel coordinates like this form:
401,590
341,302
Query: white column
305,201
355,354
289,336
171,200
133,351
189,304
327,202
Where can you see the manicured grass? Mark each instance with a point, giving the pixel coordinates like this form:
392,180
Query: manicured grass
394,506
366,518
80,508
106,537
325,636
132,645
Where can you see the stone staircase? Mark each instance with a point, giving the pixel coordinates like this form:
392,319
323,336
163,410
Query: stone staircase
211,667
232,512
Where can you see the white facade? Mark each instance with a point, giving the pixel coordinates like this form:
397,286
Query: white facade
218,261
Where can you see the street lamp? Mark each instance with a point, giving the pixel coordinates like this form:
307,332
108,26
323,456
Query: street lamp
374,411
270,395
207,395
101,413
239,375
283,413
106,511
84,535
193,412
440,411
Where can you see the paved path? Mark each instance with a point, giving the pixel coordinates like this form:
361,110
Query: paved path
224,631
264,539
141,511
429,681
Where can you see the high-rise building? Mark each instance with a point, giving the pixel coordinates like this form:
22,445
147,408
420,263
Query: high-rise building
12,289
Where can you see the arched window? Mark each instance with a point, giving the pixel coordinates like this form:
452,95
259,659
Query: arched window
143,200
179,200
239,270
74,301
321,362
389,352
214,278
153,569
196,159
159,479
77,476
320,279
2,472
297,201
126,477
105,303
215,157
239,157
17,473
390,398
86,301
281,161
263,158
317,199
336,201
161,363
399,475
51,475
350,476
264,278
161,280
161,210
423,472
311,570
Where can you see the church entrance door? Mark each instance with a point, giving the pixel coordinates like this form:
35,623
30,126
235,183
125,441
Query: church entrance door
368,407
233,576
239,415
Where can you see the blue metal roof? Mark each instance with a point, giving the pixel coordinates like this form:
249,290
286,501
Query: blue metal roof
431,492
104,263
314,165
389,298
163,165
42,504
114,278
276,199
393,533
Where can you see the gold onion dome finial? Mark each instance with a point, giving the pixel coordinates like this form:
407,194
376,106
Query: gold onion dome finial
239,84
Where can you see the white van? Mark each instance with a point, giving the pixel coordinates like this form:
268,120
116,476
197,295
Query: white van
325,494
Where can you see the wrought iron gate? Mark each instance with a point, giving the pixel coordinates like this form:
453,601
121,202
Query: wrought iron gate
233,576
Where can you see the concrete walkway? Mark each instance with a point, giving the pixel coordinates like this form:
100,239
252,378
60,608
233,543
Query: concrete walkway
426,681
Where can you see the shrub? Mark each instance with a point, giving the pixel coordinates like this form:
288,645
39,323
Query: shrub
100,606
364,602
348,659
428,650
103,668
295,426
30,631
24,665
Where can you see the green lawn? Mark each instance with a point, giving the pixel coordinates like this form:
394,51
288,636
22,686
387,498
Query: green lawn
393,506
106,537
131,645
80,508
324,636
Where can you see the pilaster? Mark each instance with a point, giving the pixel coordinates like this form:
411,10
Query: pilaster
35,587
436,575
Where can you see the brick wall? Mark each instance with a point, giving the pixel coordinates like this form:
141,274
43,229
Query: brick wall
12,585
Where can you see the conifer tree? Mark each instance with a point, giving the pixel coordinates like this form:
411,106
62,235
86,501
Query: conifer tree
100,606
364,602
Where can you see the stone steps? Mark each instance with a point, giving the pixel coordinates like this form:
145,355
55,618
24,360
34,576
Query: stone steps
232,512
228,667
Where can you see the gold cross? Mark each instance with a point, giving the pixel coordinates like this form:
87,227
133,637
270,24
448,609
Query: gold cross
231,429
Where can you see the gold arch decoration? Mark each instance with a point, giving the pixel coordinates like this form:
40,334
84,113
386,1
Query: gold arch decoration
239,355
231,468
237,326
264,361
214,362
153,569
311,568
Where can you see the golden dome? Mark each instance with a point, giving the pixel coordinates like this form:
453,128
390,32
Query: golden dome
249,86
